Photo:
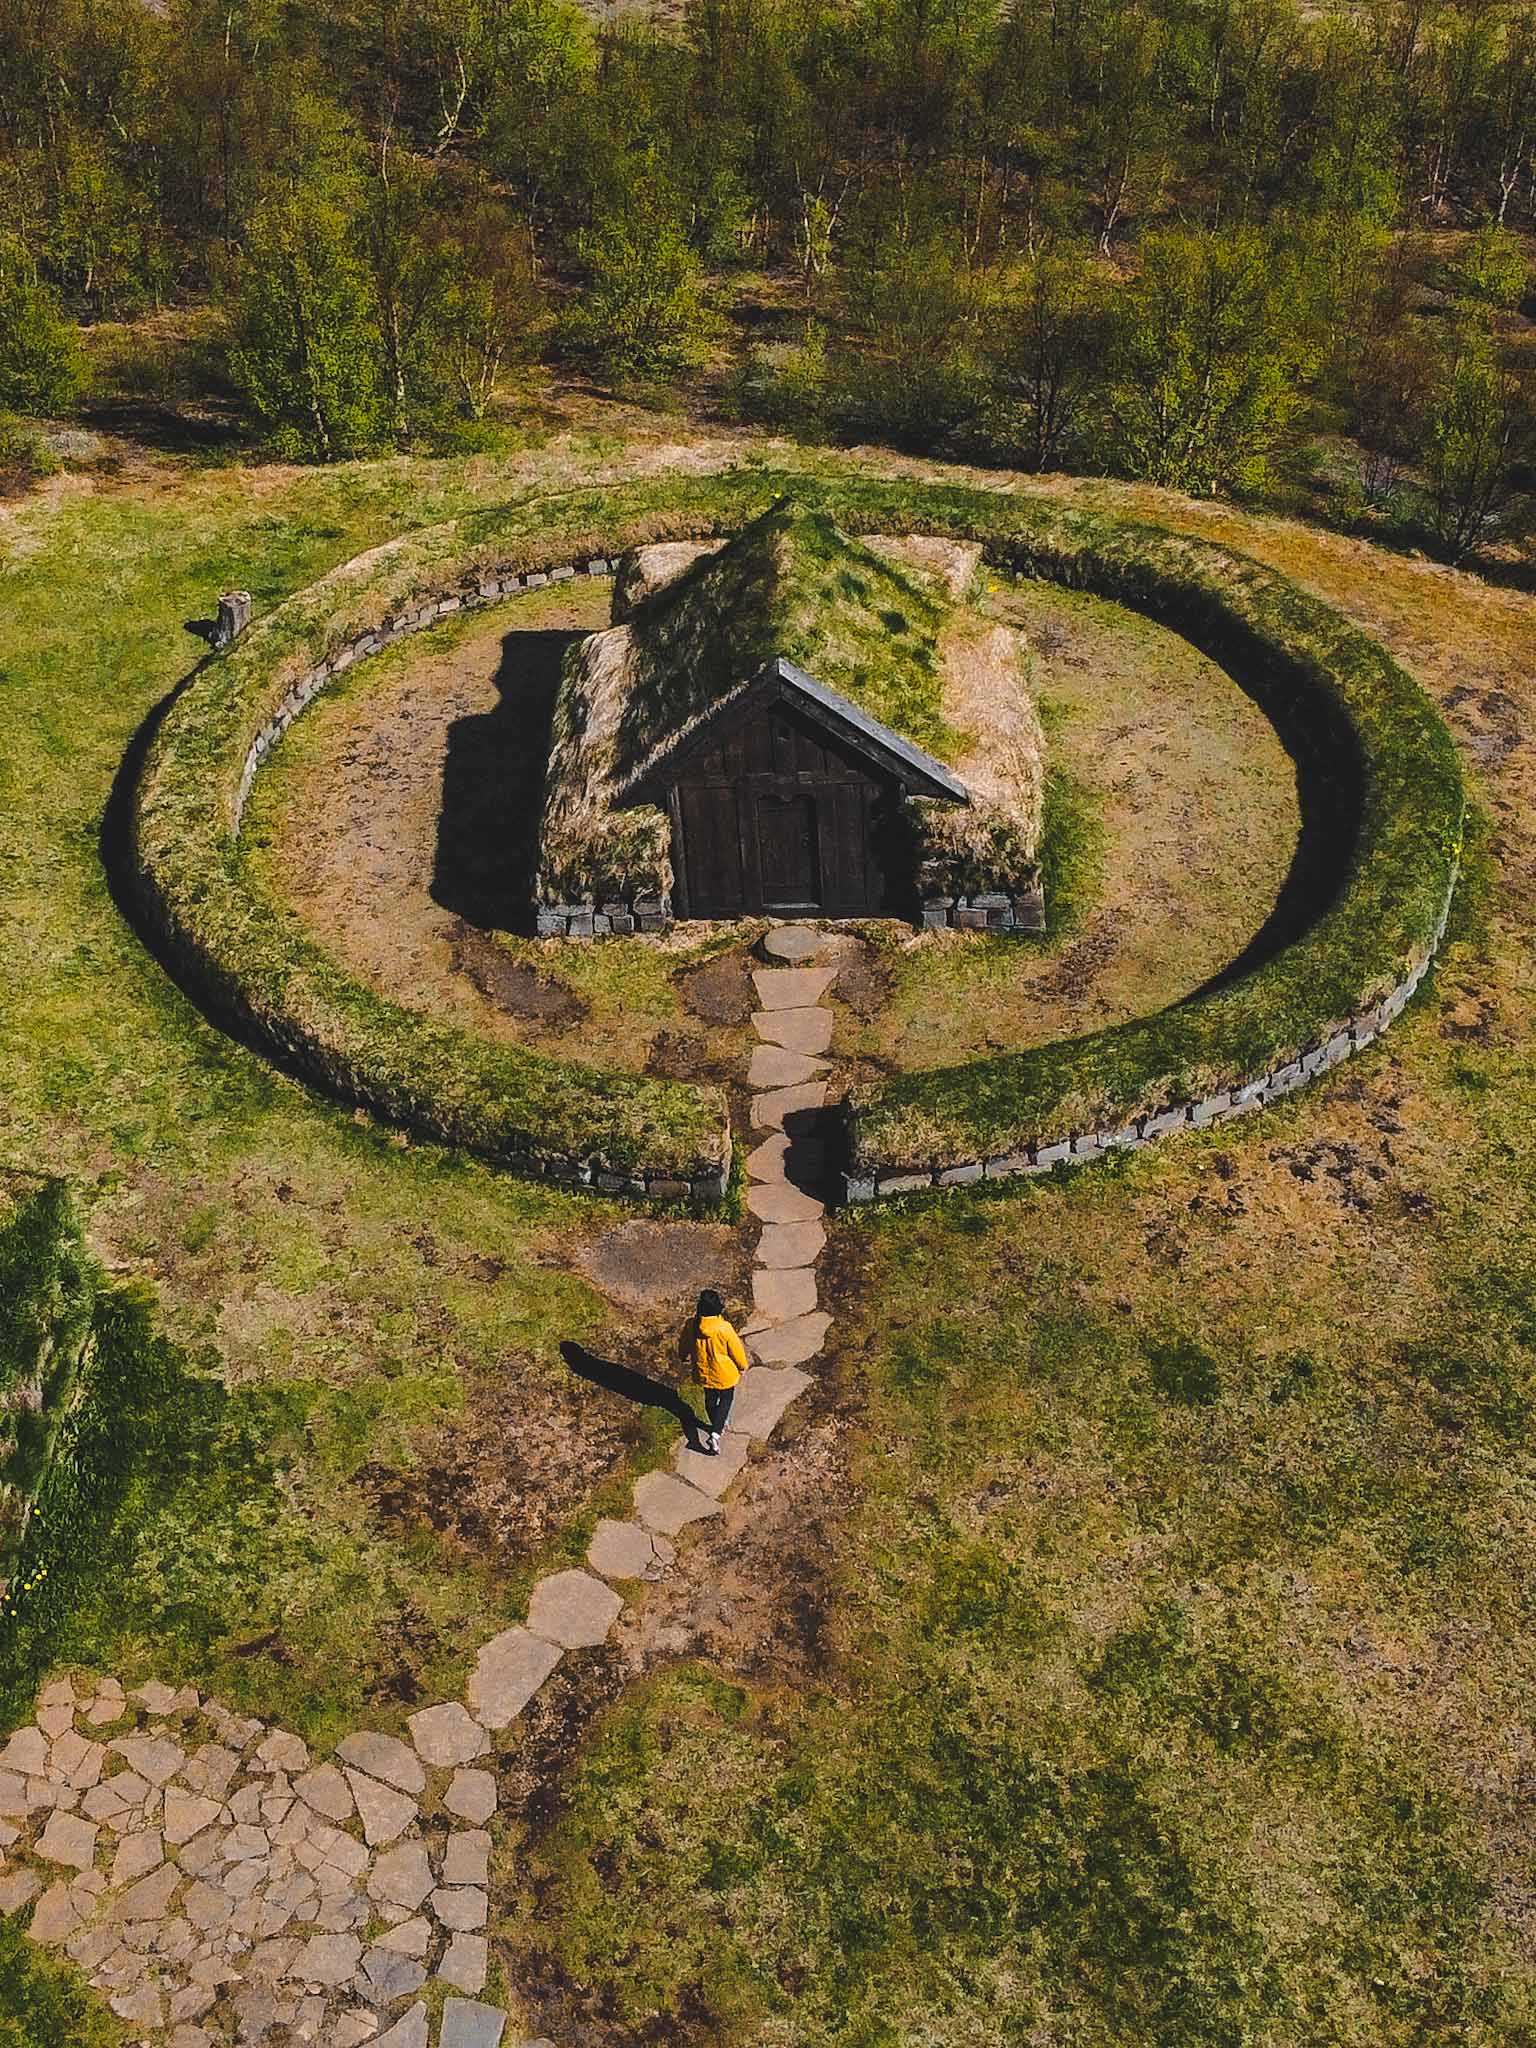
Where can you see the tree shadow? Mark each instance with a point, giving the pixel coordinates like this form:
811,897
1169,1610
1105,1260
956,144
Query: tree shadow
633,1386
493,790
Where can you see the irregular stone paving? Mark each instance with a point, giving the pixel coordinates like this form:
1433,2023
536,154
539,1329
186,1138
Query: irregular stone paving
218,1884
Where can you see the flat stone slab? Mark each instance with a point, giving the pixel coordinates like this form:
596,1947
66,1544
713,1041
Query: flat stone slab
809,1030
667,1504
446,1735
790,1343
622,1550
769,1111
462,1909
402,1876
793,944
784,1292
508,1672
467,1858
69,1840
778,1202
326,1791
386,1757
471,1795
385,1813
26,1753
410,1938
762,1397
411,2032
792,988
775,1066
386,1975
468,2024
790,1244
465,1963
154,1757
713,1475
573,1609
188,1813
785,1158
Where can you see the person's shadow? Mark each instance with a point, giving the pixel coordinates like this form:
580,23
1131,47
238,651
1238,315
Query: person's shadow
493,790
633,1386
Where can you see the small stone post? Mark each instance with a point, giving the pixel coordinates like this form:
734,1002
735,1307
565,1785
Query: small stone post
234,616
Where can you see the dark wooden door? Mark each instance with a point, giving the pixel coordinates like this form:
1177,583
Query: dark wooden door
779,816
787,850
711,865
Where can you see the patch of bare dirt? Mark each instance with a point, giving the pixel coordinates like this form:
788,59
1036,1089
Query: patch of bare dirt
510,984
652,1265
679,1056
501,1481
720,990
864,977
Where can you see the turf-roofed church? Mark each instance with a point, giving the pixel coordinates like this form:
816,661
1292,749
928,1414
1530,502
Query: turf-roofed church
794,723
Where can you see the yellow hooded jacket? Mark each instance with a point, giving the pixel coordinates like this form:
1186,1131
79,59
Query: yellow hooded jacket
719,1356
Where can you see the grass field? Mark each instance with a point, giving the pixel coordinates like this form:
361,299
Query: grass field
397,1437
1172,1646
1140,1649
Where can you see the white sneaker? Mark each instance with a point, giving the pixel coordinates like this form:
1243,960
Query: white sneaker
714,1443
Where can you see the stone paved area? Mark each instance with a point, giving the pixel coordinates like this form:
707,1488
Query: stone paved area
220,1885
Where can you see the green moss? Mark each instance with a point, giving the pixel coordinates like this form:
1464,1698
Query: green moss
790,584
46,2004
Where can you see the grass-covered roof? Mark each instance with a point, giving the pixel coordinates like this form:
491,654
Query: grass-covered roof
791,585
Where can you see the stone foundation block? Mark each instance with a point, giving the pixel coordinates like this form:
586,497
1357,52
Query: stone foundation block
1012,1162
1211,1108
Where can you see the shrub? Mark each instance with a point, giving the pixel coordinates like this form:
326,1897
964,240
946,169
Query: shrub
644,307
24,455
41,368
306,351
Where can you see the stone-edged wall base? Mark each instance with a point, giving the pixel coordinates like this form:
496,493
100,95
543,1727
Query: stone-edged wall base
1021,914
615,919
1073,1147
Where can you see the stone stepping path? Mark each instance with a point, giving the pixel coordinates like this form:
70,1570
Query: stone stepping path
218,1884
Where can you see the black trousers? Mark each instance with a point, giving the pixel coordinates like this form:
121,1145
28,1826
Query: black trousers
717,1406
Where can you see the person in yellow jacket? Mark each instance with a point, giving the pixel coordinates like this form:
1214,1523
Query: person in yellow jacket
719,1360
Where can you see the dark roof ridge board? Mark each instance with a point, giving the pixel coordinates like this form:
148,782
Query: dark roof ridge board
901,757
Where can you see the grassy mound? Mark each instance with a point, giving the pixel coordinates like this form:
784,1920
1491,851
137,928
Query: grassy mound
1379,771
1374,751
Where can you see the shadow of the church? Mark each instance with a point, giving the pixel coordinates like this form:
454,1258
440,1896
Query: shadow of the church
493,790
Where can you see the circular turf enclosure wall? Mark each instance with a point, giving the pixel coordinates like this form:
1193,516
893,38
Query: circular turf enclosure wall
1381,797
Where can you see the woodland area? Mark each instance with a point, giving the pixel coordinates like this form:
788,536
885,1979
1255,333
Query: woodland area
1205,243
